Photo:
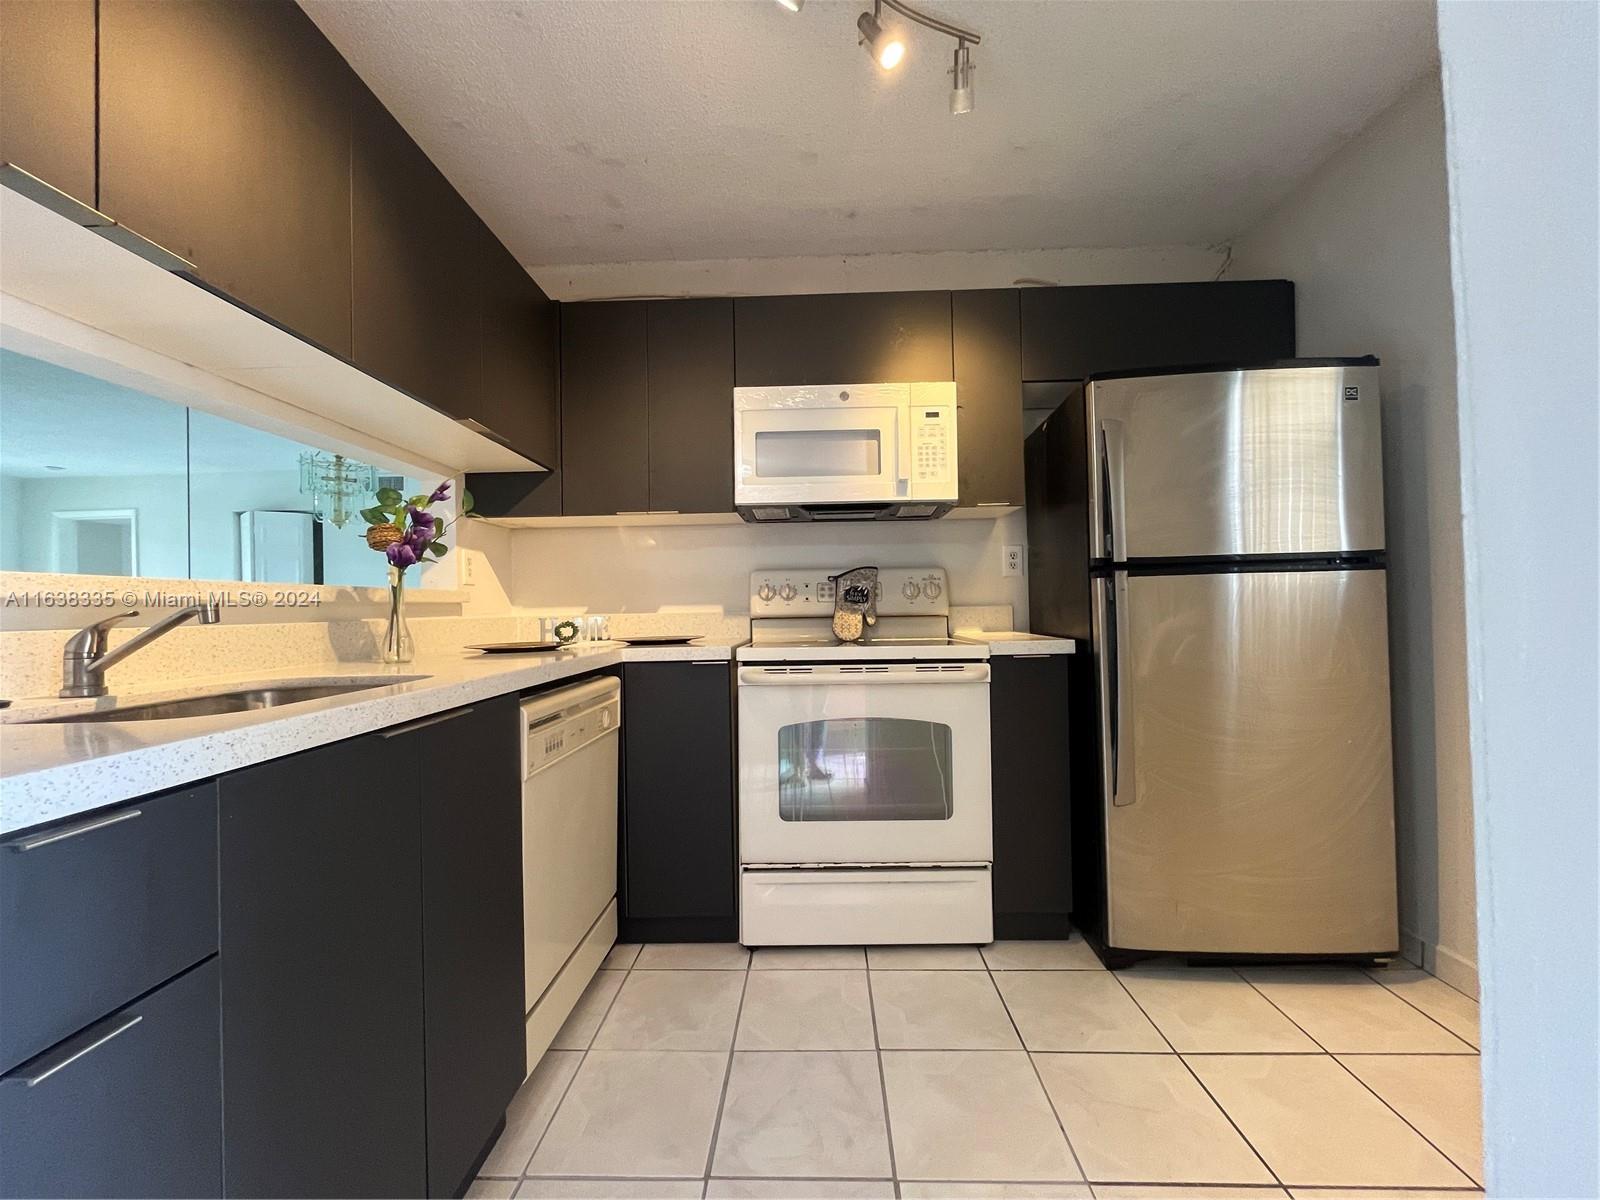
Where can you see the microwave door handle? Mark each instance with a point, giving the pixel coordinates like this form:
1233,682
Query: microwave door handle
903,444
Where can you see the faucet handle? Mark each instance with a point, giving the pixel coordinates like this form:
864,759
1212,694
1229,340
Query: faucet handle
90,641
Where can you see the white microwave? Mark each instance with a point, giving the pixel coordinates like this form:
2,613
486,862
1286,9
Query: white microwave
844,452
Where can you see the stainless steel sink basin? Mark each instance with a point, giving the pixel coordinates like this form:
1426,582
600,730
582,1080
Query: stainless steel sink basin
243,700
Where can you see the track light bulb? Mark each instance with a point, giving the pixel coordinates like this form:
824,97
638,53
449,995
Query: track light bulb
961,81
887,50
792,5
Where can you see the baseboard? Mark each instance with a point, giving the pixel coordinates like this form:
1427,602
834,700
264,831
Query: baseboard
1459,972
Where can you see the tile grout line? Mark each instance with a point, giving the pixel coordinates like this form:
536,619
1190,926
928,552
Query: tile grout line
727,1074
1226,1115
573,1078
1425,1012
1034,1067
1352,1074
883,1080
1464,1173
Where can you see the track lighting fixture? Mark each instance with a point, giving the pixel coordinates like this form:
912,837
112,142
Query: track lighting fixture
888,49
792,5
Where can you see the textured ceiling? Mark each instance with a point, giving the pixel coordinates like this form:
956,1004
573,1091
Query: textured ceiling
600,131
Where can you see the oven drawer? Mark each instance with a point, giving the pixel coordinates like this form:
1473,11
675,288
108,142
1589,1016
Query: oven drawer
874,906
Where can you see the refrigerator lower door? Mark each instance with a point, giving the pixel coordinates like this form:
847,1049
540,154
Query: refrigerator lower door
1247,785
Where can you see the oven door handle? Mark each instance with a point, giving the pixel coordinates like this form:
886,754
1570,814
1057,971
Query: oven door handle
886,675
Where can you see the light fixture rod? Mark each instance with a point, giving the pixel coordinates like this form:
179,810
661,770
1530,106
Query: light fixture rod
931,22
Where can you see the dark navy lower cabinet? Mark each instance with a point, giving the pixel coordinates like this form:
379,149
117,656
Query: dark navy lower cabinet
129,1106
1030,780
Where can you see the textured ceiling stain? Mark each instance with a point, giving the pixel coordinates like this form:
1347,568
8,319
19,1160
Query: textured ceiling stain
738,130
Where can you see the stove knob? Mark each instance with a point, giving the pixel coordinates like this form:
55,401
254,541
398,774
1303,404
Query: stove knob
787,591
932,588
766,593
910,590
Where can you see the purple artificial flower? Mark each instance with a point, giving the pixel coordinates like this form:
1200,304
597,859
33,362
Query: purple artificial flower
442,492
402,554
423,521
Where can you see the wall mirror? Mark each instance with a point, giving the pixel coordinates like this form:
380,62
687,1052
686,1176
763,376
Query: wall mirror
100,479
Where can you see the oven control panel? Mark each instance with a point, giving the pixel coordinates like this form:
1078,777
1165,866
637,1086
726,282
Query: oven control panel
808,592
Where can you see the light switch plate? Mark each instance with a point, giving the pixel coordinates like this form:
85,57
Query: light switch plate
1011,560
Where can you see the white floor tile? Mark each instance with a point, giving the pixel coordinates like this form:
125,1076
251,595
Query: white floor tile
1379,1194
995,1191
1439,1094
530,1112
1347,1013
491,1189
808,958
1151,1191
579,1028
935,1098
940,1010
1455,1011
924,958
1076,1010
1212,1010
1316,1124
1143,1116
1072,954
806,1010
692,956
635,1112
673,1010
800,1189
621,957
803,1114
609,1189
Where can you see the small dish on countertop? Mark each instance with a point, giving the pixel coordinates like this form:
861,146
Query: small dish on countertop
660,639
521,647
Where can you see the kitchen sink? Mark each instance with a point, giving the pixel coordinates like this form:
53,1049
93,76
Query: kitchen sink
242,700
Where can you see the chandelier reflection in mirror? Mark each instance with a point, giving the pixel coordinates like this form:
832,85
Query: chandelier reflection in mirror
335,484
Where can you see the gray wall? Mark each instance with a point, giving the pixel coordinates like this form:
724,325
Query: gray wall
1366,240
1520,104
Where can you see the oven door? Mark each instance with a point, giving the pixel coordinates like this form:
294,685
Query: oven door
868,763
822,455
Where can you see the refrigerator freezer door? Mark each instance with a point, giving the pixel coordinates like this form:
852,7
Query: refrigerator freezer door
1266,462
1255,809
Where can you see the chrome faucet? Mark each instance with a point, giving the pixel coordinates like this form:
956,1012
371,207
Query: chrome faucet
85,660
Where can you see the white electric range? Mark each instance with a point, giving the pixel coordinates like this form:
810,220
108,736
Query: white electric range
864,805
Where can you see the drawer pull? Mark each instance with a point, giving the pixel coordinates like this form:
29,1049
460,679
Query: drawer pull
36,1080
72,831
424,723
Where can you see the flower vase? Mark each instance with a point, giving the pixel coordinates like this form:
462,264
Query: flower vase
397,644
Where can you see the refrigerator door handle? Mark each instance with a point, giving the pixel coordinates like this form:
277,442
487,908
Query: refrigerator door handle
1111,657
1113,499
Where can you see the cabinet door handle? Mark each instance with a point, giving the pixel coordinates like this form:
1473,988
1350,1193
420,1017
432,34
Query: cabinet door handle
72,831
69,1056
994,504
709,662
424,723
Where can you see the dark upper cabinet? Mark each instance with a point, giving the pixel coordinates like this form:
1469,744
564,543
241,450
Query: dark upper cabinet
322,984
1028,740
987,335
862,337
1071,332
47,92
690,357
519,399
678,802
417,303
605,451
225,137
466,769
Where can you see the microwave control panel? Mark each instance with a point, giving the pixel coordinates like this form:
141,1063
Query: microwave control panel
933,452
808,591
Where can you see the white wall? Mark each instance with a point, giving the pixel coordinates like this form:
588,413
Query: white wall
161,502
936,270
1366,241
1520,103
10,523
642,568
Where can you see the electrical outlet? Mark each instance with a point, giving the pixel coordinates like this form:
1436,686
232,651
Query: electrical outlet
1011,560
468,559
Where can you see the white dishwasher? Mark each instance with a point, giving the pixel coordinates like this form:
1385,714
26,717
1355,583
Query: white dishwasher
569,848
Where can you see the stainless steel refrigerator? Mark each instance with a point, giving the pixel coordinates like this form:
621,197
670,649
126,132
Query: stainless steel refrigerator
1217,534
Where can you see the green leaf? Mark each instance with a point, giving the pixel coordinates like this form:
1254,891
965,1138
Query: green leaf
439,548
466,502
374,516
418,502
389,497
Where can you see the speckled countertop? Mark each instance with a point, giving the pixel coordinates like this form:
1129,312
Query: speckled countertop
1009,642
49,772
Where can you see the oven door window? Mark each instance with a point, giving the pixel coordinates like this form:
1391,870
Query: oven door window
864,769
